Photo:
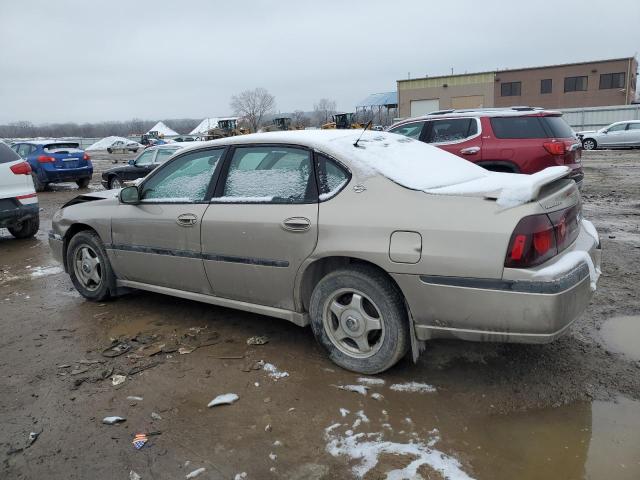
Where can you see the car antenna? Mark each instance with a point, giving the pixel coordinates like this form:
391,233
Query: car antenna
364,130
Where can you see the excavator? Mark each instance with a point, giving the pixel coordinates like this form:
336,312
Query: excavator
343,121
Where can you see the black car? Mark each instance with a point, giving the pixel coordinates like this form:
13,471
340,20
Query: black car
144,163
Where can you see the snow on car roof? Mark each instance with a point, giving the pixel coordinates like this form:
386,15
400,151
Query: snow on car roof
47,142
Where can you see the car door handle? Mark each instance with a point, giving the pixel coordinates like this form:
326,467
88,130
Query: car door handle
187,220
470,150
296,224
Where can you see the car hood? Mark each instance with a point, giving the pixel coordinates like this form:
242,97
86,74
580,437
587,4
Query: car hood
92,197
587,132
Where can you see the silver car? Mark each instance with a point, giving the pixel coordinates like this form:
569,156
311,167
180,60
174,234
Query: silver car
616,135
380,243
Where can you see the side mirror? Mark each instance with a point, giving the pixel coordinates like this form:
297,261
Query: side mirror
132,161
130,195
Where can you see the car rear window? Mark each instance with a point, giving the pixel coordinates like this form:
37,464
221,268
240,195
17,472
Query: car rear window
7,155
61,146
531,127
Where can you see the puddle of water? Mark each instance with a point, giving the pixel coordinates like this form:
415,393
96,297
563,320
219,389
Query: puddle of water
622,335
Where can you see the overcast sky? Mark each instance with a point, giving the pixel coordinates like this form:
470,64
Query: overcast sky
98,60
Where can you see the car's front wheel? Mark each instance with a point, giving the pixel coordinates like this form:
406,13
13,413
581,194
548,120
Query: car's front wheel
89,266
358,316
589,144
25,229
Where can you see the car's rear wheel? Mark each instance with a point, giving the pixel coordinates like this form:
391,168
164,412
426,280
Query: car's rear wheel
25,229
589,144
115,182
37,184
83,182
358,316
89,266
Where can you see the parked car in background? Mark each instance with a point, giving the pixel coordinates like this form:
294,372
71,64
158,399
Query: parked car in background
142,165
121,146
516,140
378,242
616,135
19,212
54,161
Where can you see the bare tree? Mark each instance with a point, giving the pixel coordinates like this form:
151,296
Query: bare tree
323,110
300,119
253,105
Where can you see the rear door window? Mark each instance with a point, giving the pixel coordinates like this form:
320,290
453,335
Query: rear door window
411,130
518,127
450,130
269,175
7,155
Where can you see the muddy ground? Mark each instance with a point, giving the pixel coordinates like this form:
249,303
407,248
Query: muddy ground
567,410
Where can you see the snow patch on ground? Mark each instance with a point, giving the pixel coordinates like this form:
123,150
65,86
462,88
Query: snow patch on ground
344,412
37,272
365,449
273,371
415,387
371,381
361,389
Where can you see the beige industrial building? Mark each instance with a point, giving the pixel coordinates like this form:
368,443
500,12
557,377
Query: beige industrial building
585,84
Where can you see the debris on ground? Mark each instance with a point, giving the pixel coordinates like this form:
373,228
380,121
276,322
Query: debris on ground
155,416
195,473
273,456
277,443
113,420
361,389
344,412
273,371
33,436
141,368
139,440
118,380
116,349
258,340
240,476
224,399
185,350
133,398
250,366
134,476
268,428
377,396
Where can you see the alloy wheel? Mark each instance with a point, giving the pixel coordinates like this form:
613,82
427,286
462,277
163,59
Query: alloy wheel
588,144
87,267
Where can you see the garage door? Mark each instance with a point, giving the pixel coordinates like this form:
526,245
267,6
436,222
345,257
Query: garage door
471,101
422,107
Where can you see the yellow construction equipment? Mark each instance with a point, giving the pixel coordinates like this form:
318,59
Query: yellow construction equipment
343,121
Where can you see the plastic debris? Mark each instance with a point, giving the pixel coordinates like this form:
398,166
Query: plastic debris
268,428
155,416
133,398
113,420
273,371
273,456
118,380
139,440
361,389
134,476
116,349
258,340
377,396
224,399
277,443
33,436
195,473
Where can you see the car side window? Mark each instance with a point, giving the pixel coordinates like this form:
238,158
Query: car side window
451,130
411,130
164,154
183,180
634,126
618,128
269,175
146,158
331,177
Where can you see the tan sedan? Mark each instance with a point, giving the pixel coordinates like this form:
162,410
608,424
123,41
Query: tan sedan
380,243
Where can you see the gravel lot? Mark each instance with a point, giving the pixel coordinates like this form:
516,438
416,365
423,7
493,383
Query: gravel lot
567,410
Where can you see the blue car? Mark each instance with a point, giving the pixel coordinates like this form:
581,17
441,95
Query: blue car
55,161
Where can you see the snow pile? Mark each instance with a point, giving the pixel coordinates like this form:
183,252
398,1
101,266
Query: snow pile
108,141
366,449
414,387
209,123
163,130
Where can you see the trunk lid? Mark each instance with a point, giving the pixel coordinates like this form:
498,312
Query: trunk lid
66,155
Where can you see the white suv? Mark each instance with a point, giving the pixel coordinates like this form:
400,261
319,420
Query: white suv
19,211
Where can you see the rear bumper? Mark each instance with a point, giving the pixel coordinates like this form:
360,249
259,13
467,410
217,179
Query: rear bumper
13,212
499,310
66,174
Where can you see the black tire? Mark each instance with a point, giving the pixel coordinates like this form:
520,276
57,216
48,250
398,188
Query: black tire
83,182
37,184
589,144
391,340
91,290
113,180
26,229
109,150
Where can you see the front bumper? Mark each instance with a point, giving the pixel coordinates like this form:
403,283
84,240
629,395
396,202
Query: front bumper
499,310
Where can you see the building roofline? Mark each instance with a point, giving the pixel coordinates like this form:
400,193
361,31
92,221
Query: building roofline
558,65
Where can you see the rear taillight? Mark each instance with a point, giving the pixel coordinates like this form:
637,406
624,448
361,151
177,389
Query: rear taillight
46,159
537,238
22,168
86,157
555,148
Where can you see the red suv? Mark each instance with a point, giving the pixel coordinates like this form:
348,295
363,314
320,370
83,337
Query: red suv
517,140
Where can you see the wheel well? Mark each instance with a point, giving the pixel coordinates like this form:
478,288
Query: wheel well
320,268
71,231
